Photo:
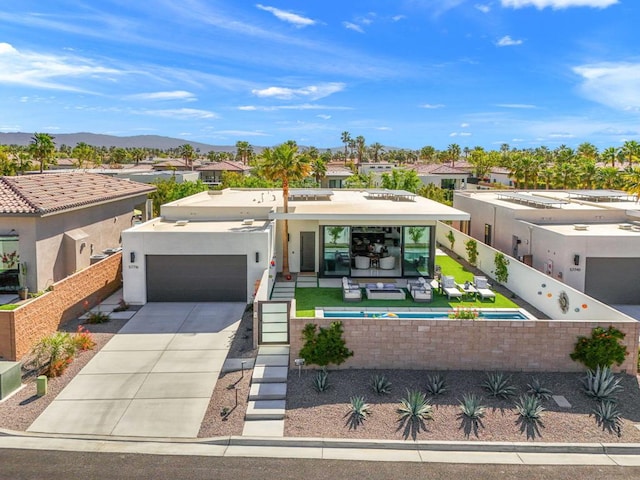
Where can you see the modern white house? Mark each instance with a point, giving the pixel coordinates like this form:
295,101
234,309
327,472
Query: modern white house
216,245
589,240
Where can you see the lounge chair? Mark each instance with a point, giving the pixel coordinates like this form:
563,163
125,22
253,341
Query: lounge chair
449,287
387,263
482,285
363,262
350,291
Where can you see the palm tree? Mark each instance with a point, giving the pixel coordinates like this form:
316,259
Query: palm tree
187,153
453,153
360,148
319,167
345,137
608,178
375,149
42,149
632,182
631,151
283,163
83,154
610,155
244,151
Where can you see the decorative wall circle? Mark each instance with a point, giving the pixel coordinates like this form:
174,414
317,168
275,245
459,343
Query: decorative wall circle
563,302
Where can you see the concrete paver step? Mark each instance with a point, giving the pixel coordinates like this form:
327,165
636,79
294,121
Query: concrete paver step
273,350
272,360
263,428
268,391
265,374
265,410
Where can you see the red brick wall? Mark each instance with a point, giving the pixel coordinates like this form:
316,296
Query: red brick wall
542,345
20,329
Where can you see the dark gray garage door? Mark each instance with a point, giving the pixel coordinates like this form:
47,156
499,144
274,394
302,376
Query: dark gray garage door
613,280
196,278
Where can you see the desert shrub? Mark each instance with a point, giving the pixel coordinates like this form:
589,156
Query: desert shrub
324,346
608,417
358,410
380,384
436,384
471,406
321,381
472,251
536,388
602,349
601,384
498,385
529,407
54,353
97,317
415,406
83,339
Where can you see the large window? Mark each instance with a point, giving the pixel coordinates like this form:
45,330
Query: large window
336,255
9,263
417,251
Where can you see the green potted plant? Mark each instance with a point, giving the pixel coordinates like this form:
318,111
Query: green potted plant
23,290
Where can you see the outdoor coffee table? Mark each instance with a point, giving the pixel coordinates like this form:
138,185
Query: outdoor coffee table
468,290
385,293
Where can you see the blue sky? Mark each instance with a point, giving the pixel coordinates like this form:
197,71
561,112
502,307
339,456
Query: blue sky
404,73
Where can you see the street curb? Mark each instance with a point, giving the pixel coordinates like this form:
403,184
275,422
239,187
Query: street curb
330,443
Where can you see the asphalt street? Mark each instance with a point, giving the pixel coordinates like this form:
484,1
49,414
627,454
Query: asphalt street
55,465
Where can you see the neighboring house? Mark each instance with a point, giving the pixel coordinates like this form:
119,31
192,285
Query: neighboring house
441,175
55,224
335,176
501,175
175,164
587,239
215,246
211,174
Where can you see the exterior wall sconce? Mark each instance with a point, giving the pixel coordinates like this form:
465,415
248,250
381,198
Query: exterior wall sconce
132,257
257,257
576,259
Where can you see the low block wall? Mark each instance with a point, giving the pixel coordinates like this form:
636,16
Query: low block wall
20,329
541,345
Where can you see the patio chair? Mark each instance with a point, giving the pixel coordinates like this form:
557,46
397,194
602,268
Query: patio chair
420,291
363,262
387,263
449,287
482,285
350,291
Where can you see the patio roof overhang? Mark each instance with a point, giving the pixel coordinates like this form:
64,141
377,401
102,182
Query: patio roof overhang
364,218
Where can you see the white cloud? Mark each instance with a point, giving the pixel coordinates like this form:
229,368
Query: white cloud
324,116
173,95
431,106
294,18
507,41
616,85
304,106
241,133
352,26
561,135
46,71
384,129
482,8
515,105
464,125
179,113
312,92
397,18
558,4
459,134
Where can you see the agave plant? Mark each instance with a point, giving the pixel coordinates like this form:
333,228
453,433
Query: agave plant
601,384
472,407
436,385
380,384
608,417
321,381
529,407
359,408
498,385
537,389
415,406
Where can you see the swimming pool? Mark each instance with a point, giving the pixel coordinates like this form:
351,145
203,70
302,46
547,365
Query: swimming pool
507,314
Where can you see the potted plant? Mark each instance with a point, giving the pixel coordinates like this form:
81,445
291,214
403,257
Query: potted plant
23,290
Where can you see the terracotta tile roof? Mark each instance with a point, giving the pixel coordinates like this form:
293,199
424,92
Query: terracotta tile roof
438,169
38,194
225,166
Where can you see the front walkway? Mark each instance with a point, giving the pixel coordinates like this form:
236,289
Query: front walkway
153,379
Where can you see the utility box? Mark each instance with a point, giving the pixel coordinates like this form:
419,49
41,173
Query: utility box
10,378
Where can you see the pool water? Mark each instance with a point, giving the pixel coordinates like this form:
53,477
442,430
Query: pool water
489,315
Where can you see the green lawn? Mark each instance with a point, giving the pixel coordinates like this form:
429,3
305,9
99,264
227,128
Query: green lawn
307,299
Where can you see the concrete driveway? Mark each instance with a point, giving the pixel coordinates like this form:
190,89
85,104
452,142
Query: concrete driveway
153,379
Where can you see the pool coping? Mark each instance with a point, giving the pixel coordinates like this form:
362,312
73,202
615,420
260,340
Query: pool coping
319,312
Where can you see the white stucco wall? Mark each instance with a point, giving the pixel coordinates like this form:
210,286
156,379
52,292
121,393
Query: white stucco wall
191,243
534,287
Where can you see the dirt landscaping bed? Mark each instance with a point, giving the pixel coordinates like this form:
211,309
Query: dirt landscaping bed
312,414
